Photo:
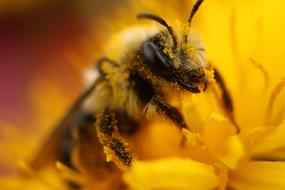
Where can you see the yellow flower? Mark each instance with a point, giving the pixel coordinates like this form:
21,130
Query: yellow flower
244,40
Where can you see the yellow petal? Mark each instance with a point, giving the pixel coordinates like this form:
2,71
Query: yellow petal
171,173
217,130
271,141
259,176
235,152
44,180
278,155
220,141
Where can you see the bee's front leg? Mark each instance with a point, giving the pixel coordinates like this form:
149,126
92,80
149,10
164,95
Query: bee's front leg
169,111
227,101
226,98
115,148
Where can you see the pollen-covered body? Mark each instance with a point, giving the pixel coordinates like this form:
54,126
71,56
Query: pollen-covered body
131,83
118,91
134,86
139,70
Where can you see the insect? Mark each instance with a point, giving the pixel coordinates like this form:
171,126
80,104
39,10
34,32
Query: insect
150,64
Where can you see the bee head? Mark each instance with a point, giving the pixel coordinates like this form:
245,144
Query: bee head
179,61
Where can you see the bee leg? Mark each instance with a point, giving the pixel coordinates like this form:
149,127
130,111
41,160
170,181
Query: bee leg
226,98
115,147
90,158
170,112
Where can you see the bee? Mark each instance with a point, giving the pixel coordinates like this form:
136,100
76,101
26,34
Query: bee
134,83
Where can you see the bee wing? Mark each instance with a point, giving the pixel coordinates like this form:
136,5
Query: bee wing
50,149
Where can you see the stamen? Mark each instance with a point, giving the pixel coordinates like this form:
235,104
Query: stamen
280,114
263,72
222,171
70,174
276,91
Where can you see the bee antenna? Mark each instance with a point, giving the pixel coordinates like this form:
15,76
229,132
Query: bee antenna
193,12
160,21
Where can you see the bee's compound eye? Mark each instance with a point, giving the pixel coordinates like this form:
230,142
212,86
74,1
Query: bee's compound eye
159,64
154,56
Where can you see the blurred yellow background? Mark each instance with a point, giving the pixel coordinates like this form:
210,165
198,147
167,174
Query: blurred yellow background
45,46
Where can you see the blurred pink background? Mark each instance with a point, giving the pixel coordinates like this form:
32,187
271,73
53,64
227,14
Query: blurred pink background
29,45
33,42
